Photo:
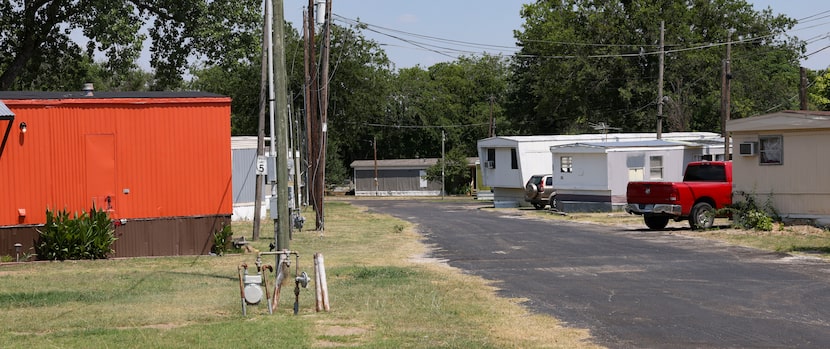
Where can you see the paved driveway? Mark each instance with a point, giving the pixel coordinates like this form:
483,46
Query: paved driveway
633,288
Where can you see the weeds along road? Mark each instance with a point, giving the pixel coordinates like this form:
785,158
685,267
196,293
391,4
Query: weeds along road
632,288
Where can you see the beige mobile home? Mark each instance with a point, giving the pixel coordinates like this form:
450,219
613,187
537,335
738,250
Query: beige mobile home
783,156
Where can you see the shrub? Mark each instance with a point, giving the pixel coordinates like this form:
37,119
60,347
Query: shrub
85,236
748,214
222,240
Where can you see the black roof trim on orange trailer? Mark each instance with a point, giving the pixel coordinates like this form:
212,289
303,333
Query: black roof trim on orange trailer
35,95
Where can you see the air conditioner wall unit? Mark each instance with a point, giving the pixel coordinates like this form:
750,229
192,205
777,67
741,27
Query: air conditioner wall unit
748,148
489,164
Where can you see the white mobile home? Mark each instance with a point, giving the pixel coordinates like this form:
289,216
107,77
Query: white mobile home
781,157
509,161
592,177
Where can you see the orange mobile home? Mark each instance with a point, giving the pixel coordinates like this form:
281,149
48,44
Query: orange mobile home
159,162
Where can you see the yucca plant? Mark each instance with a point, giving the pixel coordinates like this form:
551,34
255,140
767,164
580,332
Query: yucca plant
222,240
84,236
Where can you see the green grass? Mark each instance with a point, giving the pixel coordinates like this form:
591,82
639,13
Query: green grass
789,239
382,293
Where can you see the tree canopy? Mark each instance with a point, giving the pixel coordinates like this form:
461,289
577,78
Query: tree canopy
585,61
36,37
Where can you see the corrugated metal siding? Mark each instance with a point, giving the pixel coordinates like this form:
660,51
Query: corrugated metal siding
167,236
392,180
244,176
173,155
25,173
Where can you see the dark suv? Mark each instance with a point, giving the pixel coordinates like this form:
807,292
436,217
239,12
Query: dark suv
539,191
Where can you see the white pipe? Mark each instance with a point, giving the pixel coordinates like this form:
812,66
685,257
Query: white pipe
320,268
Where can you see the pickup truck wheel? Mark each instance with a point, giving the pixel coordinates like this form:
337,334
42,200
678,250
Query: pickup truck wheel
703,216
656,222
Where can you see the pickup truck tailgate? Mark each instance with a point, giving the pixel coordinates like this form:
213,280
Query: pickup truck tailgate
651,193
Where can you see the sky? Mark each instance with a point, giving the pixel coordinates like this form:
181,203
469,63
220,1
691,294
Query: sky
425,32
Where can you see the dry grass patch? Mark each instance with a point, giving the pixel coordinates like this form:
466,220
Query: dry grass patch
798,238
383,291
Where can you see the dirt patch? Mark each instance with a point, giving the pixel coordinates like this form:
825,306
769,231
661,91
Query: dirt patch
167,326
343,331
340,336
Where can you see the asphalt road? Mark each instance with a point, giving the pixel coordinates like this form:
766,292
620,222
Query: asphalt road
632,288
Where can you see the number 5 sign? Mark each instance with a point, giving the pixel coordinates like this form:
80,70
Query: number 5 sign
260,165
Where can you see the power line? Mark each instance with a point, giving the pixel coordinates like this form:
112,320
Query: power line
427,37
463,47
425,126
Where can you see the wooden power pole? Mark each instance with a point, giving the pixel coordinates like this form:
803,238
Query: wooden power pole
278,102
312,109
802,90
726,95
324,101
660,82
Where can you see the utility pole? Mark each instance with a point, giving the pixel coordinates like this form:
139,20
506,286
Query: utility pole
802,91
375,146
280,212
312,109
492,120
443,164
260,145
324,101
660,82
726,95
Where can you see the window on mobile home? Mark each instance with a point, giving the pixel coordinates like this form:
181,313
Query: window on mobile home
655,164
566,164
771,150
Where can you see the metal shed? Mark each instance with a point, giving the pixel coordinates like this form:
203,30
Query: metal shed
159,162
397,177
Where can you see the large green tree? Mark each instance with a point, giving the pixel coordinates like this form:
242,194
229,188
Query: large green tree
589,61
35,36
453,99
241,80
819,95
359,82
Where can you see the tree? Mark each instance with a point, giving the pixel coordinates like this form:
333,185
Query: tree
456,173
360,73
820,91
457,97
240,80
585,61
358,90
33,32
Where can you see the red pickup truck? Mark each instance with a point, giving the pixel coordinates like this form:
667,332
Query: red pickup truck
706,187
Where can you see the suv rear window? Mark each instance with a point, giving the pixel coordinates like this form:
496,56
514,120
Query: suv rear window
535,180
705,173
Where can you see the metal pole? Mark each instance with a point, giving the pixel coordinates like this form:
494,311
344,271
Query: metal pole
375,145
269,14
260,145
269,18
443,164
